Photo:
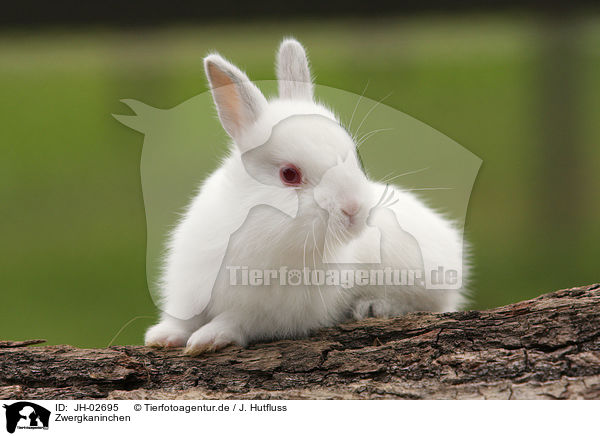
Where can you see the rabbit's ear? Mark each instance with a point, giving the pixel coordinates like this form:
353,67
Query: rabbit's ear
239,102
293,71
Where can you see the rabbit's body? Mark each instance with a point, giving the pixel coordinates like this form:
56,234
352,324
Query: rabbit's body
290,192
401,225
261,236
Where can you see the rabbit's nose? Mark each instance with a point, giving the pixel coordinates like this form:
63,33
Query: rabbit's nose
350,209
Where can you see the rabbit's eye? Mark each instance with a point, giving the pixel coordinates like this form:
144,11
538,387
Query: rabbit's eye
290,175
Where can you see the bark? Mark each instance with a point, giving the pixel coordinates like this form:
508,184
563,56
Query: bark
548,347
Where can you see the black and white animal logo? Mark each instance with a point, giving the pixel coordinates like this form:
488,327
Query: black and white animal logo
27,415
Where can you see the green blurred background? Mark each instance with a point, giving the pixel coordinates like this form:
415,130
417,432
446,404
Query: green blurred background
519,90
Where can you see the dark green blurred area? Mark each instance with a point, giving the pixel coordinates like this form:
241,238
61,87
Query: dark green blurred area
521,92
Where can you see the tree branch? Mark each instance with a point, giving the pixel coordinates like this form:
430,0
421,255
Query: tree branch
548,347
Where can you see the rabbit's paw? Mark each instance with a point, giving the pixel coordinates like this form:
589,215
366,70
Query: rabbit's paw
211,337
166,334
371,309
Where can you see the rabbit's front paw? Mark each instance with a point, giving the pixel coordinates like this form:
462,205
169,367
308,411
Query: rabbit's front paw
211,337
371,309
166,334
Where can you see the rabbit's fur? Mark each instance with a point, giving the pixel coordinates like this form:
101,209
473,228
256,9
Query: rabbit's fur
243,215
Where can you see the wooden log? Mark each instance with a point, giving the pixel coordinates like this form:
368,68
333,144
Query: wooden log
548,347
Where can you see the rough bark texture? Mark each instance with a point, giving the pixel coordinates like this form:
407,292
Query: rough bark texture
548,347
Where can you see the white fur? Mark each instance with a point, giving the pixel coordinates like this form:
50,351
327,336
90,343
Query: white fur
244,219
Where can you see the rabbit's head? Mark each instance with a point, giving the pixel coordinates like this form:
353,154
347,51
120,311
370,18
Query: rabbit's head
293,141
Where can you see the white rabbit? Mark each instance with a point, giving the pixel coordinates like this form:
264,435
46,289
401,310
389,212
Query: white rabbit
291,190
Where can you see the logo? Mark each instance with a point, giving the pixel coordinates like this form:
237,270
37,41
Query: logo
26,415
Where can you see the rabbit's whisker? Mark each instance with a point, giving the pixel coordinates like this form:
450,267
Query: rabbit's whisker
427,189
383,179
382,196
408,173
315,267
327,246
370,111
368,136
356,106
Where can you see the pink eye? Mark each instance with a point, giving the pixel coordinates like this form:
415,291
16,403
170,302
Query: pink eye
290,175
